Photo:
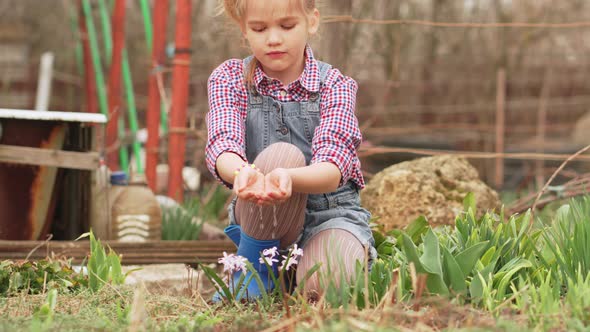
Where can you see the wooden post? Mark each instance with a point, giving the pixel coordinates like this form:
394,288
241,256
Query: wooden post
118,31
541,128
500,121
180,81
153,110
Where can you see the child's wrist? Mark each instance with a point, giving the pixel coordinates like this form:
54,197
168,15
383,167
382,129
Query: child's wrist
245,165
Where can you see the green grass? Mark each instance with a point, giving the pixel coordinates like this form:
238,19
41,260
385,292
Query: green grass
493,272
111,309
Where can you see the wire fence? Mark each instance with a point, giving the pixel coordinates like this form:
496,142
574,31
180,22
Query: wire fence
350,19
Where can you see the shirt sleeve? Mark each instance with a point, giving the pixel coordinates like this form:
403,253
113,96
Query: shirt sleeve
225,126
338,136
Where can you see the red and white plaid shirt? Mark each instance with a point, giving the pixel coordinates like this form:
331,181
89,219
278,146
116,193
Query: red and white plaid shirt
335,140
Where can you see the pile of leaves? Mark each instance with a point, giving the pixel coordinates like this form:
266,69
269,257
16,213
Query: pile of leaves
35,277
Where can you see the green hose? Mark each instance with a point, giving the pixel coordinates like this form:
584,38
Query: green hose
100,86
123,155
163,118
74,24
147,24
132,110
106,31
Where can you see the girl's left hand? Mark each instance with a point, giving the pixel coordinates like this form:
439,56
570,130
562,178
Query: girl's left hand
277,187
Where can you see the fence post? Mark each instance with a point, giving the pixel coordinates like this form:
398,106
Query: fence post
500,122
541,128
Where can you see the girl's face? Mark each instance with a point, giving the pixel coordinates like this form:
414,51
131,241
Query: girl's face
277,31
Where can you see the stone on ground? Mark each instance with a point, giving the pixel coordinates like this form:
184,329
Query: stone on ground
168,279
433,186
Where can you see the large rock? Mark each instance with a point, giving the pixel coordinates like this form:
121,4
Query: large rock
581,138
581,129
432,186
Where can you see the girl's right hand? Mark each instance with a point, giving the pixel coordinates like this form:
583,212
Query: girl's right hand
249,184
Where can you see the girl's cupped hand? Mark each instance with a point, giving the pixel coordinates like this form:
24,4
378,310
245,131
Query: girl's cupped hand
277,187
272,189
249,184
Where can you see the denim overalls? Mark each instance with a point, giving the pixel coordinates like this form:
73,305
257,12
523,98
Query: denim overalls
270,121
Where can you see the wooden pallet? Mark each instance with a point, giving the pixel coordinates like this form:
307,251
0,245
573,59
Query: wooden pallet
151,252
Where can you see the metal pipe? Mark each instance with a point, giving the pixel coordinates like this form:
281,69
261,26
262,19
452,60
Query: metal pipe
154,108
44,83
180,81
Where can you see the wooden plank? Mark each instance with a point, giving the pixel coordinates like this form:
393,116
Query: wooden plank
150,252
160,245
48,157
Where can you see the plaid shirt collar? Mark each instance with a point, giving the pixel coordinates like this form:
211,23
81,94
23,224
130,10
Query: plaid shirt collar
309,79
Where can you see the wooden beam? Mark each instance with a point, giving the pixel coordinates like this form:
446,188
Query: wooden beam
48,157
150,252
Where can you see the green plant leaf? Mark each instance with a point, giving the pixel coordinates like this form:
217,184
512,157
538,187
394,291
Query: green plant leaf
468,257
487,256
379,238
385,249
254,274
412,253
476,287
436,284
417,228
469,202
101,267
117,275
506,272
430,259
453,275
308,274
217,282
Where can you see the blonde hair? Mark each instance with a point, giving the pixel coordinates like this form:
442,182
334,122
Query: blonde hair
236,10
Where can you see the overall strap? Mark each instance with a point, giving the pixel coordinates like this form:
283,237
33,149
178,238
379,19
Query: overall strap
253,96
315,97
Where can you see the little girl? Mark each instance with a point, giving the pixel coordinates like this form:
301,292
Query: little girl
282,133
